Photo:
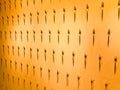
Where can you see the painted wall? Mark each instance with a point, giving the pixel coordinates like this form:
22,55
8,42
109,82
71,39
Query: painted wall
59,45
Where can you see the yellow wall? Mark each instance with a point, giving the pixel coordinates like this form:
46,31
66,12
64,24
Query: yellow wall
59,45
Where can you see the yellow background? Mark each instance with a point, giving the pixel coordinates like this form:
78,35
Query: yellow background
15,78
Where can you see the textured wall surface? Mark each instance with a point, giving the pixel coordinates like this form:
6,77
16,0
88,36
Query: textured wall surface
59,45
